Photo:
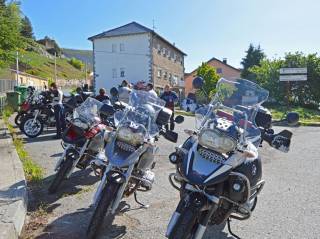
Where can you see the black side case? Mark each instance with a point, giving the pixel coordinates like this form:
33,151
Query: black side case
164,116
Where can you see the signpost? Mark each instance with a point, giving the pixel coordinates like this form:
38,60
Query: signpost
292,74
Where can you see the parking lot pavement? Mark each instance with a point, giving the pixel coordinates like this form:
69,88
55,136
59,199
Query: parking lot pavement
288,206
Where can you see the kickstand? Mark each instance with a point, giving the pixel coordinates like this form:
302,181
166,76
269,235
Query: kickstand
141,204
229,229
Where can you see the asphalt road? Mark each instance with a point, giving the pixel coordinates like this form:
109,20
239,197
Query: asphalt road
288,206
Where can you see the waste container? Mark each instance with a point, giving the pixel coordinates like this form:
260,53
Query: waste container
13,99
23,91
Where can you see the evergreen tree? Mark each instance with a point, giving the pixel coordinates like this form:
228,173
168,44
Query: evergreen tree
26,28
254,55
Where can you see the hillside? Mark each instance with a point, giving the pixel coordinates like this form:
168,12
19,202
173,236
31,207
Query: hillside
82,55
37,61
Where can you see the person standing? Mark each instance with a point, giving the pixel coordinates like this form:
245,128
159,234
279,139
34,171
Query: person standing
57,96
102,95
170,97
124,92
151,90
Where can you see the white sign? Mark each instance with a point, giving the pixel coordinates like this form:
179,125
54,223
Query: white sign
293,77
289,71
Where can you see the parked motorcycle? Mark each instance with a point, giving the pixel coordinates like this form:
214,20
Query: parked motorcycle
25,106
84,139
218,168
41,114
130,153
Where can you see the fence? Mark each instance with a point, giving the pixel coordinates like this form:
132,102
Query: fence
3,102
6,85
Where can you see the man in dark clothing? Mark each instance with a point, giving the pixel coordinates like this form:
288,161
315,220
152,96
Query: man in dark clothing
102,95
170,97
57,96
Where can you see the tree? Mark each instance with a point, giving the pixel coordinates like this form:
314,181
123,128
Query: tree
26,28
10,38
254,55
302,93
210,77
76,63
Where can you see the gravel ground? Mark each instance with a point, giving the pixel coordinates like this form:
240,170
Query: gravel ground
288,206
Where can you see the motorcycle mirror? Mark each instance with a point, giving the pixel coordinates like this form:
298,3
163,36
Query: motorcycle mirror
114,92
171,136
197,82
179,119
292,118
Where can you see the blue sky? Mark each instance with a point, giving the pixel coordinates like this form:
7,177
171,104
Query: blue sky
202,28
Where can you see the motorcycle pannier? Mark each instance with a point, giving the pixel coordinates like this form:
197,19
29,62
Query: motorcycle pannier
164,116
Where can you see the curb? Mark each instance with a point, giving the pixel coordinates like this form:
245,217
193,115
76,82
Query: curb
13,188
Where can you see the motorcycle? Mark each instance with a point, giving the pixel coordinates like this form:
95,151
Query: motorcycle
25,106
41,114
218,168
83,139
130,153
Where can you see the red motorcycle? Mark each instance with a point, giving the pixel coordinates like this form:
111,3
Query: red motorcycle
83,139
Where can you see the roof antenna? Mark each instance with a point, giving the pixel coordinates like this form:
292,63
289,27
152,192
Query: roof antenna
153,25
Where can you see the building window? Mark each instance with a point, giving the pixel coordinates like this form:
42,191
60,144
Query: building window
159,73
114,47
159,48
122,47
122,72
164,51
165,75
219,70
114,73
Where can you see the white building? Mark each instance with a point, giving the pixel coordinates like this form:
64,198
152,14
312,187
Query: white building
128,53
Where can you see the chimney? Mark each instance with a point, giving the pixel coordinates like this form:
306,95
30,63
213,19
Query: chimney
224,60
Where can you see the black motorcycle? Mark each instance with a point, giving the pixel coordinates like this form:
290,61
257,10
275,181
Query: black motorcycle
218,168
41,114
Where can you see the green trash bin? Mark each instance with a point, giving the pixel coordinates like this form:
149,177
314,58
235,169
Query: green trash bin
14,100
23,91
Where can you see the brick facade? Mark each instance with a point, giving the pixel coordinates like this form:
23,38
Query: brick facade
167,64
223,69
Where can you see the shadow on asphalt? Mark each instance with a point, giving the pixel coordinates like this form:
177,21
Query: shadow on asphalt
217,232
40,138
63,227
39,195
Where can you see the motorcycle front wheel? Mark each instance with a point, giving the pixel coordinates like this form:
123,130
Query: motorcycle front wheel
186,225
30,128
102,209
64,169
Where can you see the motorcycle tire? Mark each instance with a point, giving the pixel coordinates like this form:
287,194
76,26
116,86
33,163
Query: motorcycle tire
26,122
108,194
60,175
185,226
18,118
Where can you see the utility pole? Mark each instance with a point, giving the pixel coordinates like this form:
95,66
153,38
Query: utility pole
85,68
17,68
55,67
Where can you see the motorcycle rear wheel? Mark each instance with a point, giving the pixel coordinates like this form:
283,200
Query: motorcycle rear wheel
61,174
18,118
29,128
102,209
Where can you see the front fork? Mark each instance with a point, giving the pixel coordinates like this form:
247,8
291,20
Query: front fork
63,156
120,192
203,219
35,116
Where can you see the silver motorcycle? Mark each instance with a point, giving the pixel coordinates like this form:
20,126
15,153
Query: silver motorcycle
130,151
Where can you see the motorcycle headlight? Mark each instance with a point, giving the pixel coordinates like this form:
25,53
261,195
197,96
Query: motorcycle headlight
131,136
217,141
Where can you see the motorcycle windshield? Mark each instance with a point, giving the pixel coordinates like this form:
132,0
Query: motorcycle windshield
142,112
236,101
88,111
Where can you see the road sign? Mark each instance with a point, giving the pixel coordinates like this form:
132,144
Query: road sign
293,77
293,71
